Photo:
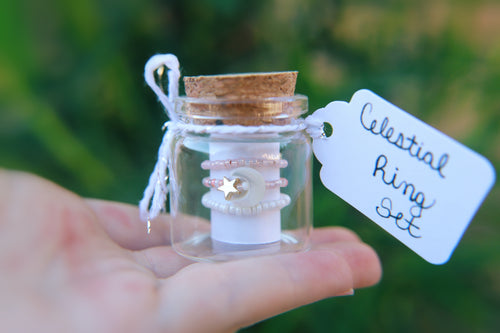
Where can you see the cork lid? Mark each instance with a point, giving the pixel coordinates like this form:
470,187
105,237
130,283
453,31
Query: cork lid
245,99
241,86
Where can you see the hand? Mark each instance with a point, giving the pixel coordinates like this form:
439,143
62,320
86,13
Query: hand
75,265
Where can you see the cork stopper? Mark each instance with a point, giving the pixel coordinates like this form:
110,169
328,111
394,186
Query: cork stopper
249,99
241,86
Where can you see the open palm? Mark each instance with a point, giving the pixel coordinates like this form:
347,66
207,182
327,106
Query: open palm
74,265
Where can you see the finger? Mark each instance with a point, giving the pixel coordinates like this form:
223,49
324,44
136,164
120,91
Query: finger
163,261
122,224
236,294
333,234
367,267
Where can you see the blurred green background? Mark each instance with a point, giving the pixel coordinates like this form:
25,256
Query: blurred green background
74,108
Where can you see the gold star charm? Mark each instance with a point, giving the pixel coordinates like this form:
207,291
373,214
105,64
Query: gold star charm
229,187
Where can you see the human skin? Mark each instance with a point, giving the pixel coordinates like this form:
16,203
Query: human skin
69,264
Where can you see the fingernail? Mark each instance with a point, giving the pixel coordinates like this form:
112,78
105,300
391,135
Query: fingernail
349,292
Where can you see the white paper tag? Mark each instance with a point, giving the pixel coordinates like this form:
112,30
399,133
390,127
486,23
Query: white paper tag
412,180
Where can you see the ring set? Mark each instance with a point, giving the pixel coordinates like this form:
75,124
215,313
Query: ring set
245,187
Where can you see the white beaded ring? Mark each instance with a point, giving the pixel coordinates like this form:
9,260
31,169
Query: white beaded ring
230,209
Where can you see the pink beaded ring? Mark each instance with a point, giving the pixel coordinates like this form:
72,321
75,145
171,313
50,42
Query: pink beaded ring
241,162
213,182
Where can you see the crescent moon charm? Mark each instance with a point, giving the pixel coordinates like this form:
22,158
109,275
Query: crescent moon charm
254,184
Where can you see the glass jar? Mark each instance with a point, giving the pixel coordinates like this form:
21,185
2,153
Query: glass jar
239,191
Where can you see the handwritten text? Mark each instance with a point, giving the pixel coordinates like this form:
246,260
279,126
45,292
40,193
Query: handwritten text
402,141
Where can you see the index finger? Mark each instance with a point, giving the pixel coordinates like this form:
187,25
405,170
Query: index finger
122,224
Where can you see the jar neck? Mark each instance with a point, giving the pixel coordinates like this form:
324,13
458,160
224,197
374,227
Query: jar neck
247,112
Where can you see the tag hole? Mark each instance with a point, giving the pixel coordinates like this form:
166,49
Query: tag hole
327,129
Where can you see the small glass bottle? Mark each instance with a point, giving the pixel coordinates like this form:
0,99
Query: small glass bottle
238,191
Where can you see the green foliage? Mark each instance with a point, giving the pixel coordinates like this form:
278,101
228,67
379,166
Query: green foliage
74,108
